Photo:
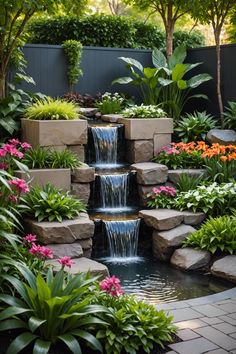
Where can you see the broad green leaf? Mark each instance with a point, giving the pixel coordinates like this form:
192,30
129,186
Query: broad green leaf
12,311
44,292
159,59
165,82
21,342
178,72
89,338
35,323
123,80
182,84
197,80
150,72
9,124
41,347
12,324
71,343
177,57
132,62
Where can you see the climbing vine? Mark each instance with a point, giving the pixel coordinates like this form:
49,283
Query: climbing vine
73,53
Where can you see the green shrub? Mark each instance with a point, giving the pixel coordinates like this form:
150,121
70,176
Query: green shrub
230,116
189,182
106,31
51,109
73,52
217,234
194,127
142,111
111,103
45,158
214,199
220,171
133,325
51,204
50,311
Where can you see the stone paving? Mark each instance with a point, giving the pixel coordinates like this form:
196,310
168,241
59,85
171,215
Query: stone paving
205,325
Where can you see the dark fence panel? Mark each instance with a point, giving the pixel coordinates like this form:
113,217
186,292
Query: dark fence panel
47,65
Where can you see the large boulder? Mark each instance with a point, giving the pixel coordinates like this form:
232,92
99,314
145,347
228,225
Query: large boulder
139,150
222,136
82,265
190,258
67,231
165,242
161,219
149,173
225,268
112,118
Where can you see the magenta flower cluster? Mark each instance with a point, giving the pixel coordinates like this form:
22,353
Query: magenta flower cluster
112,286
20,185
169,150
166,190
13,148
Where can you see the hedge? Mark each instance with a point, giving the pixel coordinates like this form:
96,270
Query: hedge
105,31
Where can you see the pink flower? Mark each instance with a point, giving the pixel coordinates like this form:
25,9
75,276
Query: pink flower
35,249
156,190
14,141
26,146
2,153
20,185
66,261
112,286
13,198
30,238
3,166
46,252
12,150
40,251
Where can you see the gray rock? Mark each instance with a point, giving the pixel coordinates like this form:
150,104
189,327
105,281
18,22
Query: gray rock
222,136
82,265
174,175
86,244
149,173
112,118
165,242
190,258
88,112
139,150
162,219
225,268
83,174
77,150
67,231
81,191
72,250
191,218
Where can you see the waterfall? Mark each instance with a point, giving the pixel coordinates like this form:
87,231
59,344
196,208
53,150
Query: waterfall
123,238
105,143
114,190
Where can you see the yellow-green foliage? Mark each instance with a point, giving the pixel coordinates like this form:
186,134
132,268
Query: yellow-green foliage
51,109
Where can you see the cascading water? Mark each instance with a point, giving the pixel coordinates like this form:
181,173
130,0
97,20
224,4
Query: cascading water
123,238
105,142
113,190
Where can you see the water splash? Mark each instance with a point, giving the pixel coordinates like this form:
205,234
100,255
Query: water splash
105,143
114,191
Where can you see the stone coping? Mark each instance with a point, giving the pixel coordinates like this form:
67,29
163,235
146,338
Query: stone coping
198,301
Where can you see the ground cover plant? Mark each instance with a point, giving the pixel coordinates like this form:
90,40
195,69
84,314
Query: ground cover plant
111,103
51,109
215,235
143,111
52,204
45,158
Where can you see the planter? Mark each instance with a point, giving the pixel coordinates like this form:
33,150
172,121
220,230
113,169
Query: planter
54,132
146,128
59,177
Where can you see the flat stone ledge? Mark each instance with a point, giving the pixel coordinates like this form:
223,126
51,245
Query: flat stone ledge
72,250
191,218
162,219
149,173
83,174
82,265
190,258
87,112
112,118
225,268
67,231
174,175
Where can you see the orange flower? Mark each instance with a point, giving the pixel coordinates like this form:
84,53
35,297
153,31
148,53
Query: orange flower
223,158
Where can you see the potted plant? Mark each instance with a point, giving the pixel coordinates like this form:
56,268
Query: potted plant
45,165
143,122
53,122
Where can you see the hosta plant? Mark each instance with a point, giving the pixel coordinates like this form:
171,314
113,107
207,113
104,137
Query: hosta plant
51,109
216,234
214,199
49,311
194,127
143,111
52,204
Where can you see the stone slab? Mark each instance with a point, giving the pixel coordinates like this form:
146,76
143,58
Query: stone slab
190,259
174,175
225,268
193,219
72,250
222,136
161,219
78,151
82,265
112,118
81,191
149,173
68,231
160,140
194,346
83,174
165,242
217,337
139,150
87,112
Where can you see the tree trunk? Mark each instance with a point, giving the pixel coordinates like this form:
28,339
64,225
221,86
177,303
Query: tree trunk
218,77
2,86
169,40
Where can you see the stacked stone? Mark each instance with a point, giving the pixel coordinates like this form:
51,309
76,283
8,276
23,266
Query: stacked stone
81,178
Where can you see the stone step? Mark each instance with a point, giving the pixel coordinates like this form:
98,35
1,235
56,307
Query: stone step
67,231
83,174
149,173
225,268
82,265
72,250
112,118
162,219
190,258
165,242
